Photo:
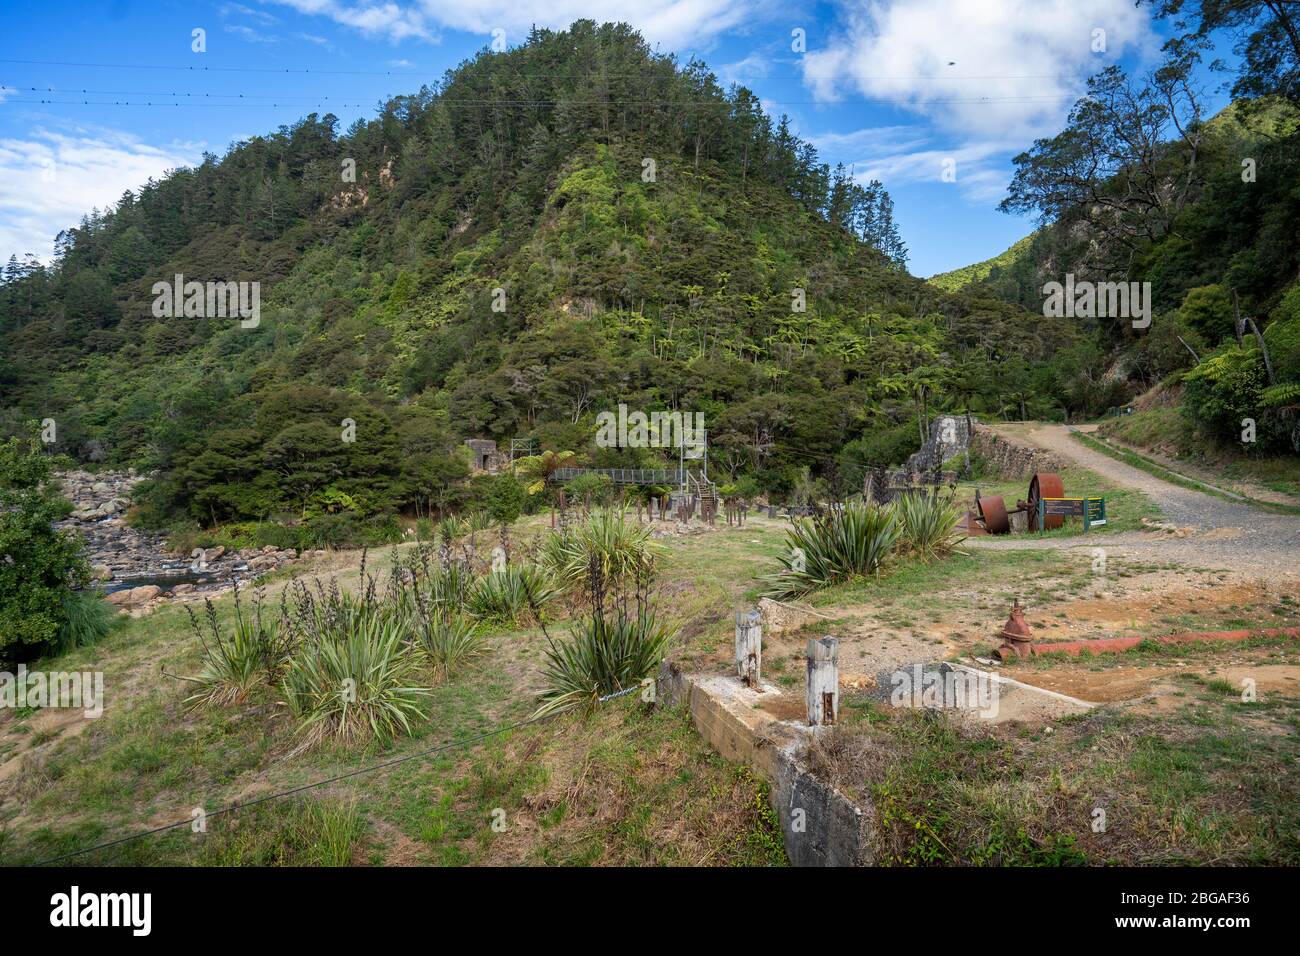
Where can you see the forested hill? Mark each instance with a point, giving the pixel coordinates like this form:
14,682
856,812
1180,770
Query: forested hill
1144,186
549,231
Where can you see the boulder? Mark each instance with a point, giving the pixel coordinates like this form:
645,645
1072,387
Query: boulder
133,597
101,572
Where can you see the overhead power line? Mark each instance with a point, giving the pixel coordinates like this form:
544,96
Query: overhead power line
187,104
200,99
547,75
57,91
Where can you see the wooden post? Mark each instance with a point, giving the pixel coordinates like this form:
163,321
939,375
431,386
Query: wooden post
823,680
749,646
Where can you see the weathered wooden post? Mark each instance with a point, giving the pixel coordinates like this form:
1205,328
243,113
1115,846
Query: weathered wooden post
823,680
749,646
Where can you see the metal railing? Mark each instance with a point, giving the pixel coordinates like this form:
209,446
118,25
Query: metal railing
623,476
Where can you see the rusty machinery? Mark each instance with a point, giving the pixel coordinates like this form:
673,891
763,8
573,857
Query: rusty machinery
992,509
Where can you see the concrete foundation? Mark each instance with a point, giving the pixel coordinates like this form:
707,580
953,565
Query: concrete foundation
821,826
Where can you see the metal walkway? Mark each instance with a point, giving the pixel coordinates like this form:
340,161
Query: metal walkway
623,476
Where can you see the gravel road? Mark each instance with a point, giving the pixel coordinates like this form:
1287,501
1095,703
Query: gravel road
1226,534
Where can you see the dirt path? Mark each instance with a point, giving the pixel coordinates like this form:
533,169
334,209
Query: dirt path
1226,534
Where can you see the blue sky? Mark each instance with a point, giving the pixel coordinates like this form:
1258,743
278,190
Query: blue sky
900,90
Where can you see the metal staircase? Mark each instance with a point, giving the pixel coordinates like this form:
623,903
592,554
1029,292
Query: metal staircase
701,487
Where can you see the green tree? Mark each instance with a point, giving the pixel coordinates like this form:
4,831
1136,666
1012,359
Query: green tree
39,565
506,499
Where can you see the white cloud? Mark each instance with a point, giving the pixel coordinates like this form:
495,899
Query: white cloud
261,16
976,168
251,35
872,141
670,22
743,72
1005,68
987,76
388,21
50,179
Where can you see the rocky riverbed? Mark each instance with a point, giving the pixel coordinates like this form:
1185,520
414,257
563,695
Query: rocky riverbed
133,567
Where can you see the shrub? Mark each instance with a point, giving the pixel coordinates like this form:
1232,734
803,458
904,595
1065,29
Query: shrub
512,594
431,601
621,551
506,499
606,653
1208,310
1283,340
448,529
449,641
746,487
928,524
834,547
889,445
255,652
1223,390
352,678
597,488
421,579
87,619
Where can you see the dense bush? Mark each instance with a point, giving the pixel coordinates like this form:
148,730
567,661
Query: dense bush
356,668
39,565
1223,391
506,498
352,672
890,445
594,488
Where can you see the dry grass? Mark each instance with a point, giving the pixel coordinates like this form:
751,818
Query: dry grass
1210,783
